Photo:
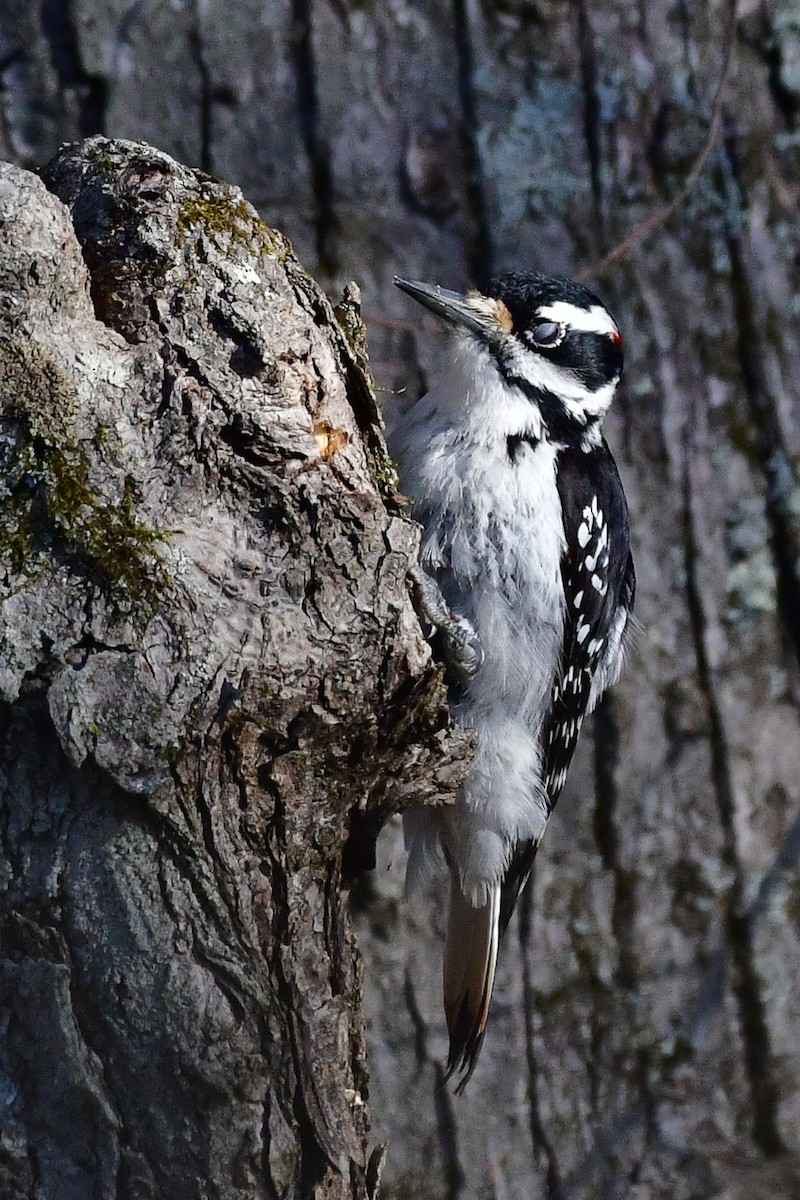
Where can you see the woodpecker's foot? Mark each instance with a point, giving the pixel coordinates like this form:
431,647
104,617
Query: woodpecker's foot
462,644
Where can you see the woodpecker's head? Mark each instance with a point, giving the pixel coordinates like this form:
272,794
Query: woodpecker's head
547,337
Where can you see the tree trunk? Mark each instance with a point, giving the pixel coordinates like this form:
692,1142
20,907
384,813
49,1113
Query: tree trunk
210,670
645,1031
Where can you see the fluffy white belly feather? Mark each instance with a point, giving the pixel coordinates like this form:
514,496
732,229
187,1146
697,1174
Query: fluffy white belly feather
493,540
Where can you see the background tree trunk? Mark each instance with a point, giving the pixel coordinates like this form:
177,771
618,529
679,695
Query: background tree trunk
644,1038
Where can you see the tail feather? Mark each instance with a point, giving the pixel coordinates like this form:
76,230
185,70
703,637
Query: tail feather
470,958
516,876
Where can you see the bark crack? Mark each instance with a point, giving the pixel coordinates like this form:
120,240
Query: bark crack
606,763
480,251
316,145
751,1005
452,1169
60,31
591,116
771,447
540,1139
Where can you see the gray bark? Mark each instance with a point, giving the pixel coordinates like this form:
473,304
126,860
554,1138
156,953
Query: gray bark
210,669
644,1039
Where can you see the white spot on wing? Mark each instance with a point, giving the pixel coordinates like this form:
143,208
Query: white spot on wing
583,534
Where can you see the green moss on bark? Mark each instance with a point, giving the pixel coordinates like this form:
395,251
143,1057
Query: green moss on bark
48,506
222,215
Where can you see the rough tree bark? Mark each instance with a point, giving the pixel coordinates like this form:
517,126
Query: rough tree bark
209,670
644,1039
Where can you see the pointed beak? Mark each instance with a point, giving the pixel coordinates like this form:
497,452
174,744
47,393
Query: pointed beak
479,314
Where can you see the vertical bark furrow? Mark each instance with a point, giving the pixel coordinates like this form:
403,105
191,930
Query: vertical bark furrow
315,142
479,248
754,320
591,118
748,986
446,1123
541,1143
58,27
606,816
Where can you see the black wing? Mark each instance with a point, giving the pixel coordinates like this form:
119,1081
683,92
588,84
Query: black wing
599,585
597,575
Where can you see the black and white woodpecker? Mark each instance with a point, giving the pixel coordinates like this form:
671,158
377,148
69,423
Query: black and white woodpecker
525,571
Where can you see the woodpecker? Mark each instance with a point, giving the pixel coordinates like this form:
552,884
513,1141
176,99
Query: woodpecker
525,572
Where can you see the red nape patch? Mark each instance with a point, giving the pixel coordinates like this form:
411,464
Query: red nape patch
616,339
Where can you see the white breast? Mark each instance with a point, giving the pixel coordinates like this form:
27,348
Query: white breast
494,539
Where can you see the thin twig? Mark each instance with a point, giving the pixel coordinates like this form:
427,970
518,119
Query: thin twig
663,214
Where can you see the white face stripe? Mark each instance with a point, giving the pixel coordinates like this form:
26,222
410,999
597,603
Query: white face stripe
596,320
565,384
595,403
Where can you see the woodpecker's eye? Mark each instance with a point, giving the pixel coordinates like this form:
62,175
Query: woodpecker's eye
547,333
